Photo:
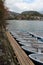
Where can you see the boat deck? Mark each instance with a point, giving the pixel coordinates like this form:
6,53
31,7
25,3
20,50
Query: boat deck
20,54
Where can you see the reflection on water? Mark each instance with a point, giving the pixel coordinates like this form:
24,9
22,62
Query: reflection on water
25,25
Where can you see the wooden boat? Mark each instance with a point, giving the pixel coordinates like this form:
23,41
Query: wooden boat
29,50
37,58
26,44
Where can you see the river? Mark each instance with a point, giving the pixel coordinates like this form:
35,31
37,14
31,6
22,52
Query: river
34,26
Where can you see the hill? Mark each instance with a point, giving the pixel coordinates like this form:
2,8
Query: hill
26,15
11,15
31,12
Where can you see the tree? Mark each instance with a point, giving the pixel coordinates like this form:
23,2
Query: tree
2,15
3,37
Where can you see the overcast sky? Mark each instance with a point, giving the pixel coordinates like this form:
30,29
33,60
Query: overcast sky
24,5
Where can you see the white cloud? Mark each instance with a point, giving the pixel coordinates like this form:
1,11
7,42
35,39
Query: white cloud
20,5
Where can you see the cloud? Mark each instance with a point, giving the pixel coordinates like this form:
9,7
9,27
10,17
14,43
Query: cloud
28,1
11,5
23,5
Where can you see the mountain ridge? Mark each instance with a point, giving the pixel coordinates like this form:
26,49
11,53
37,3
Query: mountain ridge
25,15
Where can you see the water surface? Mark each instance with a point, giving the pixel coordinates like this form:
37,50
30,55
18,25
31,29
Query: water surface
35,26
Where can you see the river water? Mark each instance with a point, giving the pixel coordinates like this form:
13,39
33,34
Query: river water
34,26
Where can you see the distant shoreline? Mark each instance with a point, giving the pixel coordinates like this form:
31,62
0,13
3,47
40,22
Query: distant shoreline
24,19
26,15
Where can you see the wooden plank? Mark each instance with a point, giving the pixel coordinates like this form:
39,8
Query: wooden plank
21,55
